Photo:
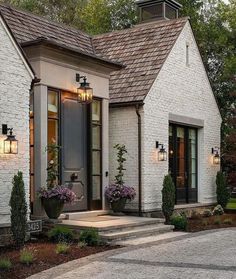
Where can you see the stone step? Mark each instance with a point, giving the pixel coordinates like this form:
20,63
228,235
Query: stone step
116,225
85,214
135,232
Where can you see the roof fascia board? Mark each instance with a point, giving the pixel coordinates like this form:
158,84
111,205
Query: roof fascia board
18,48
45,41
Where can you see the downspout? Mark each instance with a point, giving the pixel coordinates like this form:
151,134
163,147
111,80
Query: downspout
139,162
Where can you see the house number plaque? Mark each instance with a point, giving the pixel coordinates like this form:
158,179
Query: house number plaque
34,226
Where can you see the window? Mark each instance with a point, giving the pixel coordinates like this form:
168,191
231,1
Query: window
187,54
53,119
170,12
152,11
53,116
96,150
31,146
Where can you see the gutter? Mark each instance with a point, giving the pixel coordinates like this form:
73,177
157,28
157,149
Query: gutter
139,161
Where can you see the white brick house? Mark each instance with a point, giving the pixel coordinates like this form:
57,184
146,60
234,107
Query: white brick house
149,86
174,104
15,82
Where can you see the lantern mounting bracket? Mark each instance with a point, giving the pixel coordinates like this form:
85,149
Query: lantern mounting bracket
5,129
79,77
159,144
215,150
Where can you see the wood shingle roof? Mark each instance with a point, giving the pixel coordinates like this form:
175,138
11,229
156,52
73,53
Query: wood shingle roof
143,49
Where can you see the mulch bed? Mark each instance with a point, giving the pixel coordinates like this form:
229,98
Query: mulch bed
45,257
212,222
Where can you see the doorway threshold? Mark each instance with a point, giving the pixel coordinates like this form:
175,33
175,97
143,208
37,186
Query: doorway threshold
84,214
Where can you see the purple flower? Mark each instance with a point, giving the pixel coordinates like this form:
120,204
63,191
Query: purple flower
116,192
59,192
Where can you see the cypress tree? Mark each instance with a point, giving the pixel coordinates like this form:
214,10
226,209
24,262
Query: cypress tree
18,210
168,197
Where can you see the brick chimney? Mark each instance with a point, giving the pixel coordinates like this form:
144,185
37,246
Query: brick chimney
158,9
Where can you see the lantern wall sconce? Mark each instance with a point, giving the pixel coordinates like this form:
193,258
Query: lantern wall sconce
162,154
216,155
10,143
85,92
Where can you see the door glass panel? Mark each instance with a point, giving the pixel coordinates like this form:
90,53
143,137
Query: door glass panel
96,188
96,162
52,104
52,131
96,111
96,137
192,158
180,179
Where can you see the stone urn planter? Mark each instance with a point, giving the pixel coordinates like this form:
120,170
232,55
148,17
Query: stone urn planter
53,207
53,199
118,206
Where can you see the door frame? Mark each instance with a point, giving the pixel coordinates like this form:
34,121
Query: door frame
187,162
92,205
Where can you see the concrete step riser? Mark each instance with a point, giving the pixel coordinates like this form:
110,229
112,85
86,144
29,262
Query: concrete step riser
157,231
134,227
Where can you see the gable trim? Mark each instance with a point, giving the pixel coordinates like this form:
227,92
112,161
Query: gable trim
205,70
17,47
173,45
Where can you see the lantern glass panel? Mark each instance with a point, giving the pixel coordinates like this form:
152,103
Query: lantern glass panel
7,146
85,95
14,147
216,159
162,155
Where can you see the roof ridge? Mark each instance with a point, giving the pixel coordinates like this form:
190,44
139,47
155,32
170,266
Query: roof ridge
50,21
154,22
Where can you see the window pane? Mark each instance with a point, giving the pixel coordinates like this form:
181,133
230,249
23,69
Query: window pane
31,131
52,131
52,104
193,181
96,137
31,104
170,12
96,193
31,159
96,162
152,11
96,111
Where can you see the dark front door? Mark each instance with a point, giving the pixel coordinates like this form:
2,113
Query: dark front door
74,150
183,162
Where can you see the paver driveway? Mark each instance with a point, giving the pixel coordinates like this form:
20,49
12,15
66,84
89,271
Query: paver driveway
202,255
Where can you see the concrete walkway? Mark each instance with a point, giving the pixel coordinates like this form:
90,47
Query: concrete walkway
205,255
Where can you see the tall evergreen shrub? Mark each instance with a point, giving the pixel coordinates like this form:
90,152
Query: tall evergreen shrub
168,197
18,210
222,192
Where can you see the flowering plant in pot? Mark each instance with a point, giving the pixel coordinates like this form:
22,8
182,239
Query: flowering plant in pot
118,193
54,196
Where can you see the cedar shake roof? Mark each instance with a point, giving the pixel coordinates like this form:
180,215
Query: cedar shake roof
143,49
28,27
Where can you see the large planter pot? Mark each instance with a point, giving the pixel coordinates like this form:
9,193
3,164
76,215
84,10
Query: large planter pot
118,206
53,207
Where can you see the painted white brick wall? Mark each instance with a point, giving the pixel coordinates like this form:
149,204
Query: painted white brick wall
123,129
15,83
183,90
179,89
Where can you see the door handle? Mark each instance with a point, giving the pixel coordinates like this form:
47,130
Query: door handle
74,176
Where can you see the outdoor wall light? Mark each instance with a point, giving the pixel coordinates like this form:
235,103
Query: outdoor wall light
10,143
162,154
85,92
216,156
